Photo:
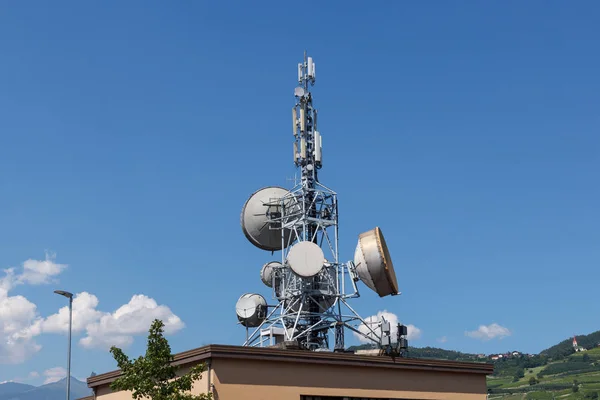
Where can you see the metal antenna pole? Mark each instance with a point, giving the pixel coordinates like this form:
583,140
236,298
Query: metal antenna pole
69,296
69,351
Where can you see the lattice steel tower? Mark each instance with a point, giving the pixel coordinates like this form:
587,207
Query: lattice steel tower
310,284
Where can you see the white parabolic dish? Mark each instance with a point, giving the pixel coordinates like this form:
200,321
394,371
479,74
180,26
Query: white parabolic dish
266,272
306,259
255,218
248,309
374,264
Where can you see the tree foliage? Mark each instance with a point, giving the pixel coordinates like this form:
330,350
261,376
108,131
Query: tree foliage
562,367
511,366
153,376
532,381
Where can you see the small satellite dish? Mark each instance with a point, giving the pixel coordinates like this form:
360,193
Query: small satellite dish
306,259
257,214
374,264
299,92
251,309
266,272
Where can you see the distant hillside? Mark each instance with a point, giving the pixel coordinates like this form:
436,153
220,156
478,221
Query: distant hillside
565,348
429,352
11,388
574,377
51,391
437,353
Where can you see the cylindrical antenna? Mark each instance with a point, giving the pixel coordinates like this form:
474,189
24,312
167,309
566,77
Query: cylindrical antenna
318,147
302,120
300,73
295,121
321,148
310,67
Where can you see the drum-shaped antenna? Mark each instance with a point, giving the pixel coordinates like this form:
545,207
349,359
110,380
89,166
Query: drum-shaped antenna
374,264
266,272
258,212
305,259
251,309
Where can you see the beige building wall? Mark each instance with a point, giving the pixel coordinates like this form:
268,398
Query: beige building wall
238,373
104,392
261,380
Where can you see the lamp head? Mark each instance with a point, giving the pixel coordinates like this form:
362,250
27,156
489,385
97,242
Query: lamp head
64,293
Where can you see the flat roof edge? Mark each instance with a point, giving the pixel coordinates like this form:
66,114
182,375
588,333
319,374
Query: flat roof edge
309,357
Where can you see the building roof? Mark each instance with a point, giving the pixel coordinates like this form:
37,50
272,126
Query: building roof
308,357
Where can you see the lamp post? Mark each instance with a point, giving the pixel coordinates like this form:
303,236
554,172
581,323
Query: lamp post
70,297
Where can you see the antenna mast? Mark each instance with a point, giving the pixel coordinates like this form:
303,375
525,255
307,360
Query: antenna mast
310,284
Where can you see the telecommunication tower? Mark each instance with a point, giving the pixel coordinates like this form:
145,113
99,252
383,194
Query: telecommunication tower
310,285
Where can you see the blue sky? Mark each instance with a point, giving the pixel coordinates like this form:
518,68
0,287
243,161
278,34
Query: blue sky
133,132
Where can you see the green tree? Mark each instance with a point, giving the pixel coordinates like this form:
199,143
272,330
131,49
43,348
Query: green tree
586,357
532,381
153,376
520,373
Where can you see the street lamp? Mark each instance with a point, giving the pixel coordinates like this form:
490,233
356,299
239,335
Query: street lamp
70,297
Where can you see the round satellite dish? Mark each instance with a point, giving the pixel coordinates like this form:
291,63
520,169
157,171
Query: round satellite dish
257,214
305,259
299,92
374,264
266,272
251,309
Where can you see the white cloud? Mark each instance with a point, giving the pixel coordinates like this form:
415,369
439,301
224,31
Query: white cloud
413,332
20,322
488,332
16,316
443,339
84,313
54,374
40,272
133,318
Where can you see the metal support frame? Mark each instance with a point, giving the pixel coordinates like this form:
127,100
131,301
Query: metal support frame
308,309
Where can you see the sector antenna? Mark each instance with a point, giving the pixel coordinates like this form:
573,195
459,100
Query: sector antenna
311,287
